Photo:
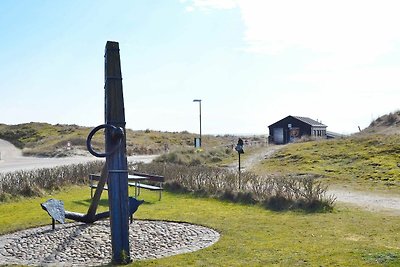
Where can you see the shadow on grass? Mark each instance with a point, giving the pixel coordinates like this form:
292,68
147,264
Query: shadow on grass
278,203
86,202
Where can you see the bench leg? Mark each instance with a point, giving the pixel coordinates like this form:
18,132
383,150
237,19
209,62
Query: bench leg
136,192
53,224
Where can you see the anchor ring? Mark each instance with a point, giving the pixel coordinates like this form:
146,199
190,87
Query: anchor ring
117,132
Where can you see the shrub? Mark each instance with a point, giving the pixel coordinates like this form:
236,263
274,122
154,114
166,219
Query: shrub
391,119
272,191
36,182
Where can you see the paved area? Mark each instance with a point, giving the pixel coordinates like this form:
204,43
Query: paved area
77,244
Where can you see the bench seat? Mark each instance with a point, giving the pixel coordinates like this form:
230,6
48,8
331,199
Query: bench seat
146,186
95,186
155,179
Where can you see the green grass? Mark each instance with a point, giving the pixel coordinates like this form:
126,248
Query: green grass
361,162
250,235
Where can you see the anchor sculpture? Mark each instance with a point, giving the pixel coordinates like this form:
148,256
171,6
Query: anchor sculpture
115,170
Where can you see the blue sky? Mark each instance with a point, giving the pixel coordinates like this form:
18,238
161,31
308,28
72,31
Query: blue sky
252,62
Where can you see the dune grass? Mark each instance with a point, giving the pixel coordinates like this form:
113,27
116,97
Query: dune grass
250,235
362,162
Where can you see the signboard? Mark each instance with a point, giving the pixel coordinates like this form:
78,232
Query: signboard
197,142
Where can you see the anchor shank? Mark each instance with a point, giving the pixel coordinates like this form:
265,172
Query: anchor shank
116,162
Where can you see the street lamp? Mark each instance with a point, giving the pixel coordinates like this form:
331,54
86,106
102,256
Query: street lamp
199,100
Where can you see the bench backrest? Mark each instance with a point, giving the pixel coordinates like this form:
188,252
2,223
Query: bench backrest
94,177
150,177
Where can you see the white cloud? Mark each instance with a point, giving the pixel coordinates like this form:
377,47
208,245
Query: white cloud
355,31
189,8
211,4
351,28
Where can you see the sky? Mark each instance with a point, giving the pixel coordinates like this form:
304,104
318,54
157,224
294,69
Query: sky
251,62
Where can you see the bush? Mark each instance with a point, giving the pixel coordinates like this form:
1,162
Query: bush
272,191
37,182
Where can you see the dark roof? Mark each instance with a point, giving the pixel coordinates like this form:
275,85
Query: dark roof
309,121
306,120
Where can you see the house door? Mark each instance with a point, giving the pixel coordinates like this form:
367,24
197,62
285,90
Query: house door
278,135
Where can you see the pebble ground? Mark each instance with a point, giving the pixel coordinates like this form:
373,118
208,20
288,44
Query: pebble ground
77,244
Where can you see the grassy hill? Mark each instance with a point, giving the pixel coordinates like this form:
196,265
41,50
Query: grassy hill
366,160
43,139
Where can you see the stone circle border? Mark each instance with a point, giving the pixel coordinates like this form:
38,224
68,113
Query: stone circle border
79,244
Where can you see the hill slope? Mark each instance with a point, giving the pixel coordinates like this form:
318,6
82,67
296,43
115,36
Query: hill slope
43,139
386,124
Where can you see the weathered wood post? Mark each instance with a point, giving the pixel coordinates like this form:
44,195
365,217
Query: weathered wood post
116,162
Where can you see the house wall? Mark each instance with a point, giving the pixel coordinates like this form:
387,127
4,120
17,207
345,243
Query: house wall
318,132
294,129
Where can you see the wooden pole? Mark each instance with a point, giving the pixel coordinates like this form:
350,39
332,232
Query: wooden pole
239,173
116,162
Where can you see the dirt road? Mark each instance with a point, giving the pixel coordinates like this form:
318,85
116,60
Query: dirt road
11,159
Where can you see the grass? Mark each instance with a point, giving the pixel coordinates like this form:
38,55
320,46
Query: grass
219,156
194,157
363,162
250,235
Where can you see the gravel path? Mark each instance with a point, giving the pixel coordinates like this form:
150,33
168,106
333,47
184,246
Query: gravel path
78,244
250,160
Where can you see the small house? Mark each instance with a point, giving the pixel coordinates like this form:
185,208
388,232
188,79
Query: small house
292,128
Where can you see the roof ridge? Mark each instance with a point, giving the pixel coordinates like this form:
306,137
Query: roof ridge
309,121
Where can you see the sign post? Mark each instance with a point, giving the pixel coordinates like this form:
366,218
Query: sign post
239,149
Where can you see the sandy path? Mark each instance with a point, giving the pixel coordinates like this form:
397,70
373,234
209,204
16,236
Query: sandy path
8,151
367,200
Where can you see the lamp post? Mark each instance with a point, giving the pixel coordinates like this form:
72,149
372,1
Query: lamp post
199,100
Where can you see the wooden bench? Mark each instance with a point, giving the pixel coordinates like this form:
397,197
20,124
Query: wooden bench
146,181
137,180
